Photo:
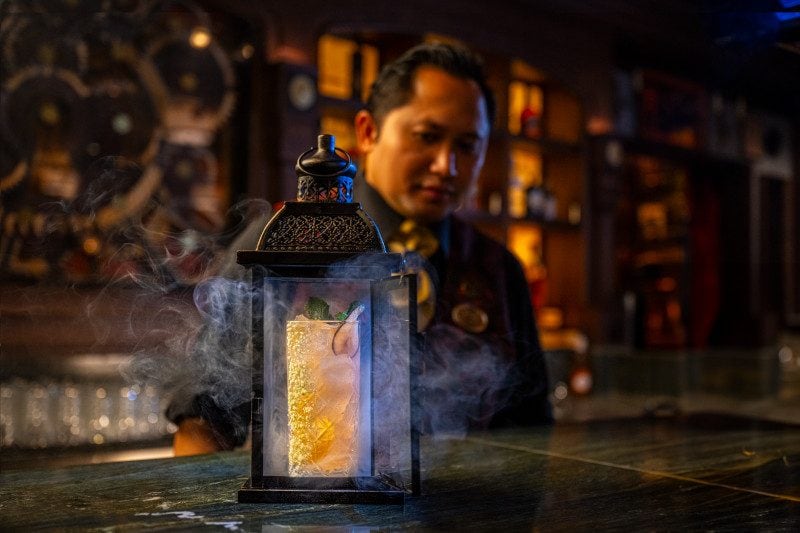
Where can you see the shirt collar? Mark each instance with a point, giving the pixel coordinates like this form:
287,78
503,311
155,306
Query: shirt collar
387,219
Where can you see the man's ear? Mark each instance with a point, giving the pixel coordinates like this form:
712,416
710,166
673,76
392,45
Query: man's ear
366,131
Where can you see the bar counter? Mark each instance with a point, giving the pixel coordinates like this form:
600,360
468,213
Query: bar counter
697,472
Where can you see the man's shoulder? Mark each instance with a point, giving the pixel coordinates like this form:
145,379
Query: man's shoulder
472,244
474,239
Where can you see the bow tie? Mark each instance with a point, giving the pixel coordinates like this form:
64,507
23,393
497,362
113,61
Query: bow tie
413,237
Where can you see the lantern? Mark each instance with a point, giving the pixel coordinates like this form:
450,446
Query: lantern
335,353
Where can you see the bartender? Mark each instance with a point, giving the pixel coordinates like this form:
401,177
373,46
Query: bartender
423,136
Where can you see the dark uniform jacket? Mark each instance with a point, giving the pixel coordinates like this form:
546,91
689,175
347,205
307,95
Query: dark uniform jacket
477,374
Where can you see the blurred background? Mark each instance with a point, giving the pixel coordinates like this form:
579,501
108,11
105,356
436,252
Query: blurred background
643,167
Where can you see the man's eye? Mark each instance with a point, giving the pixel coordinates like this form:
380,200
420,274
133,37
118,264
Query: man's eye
427,137
468,147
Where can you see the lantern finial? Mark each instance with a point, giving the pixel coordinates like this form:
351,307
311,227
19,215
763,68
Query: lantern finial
323,175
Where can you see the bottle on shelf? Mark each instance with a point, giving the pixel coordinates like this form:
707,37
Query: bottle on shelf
542,204
530,123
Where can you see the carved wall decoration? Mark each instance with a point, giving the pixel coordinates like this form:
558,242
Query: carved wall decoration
109,116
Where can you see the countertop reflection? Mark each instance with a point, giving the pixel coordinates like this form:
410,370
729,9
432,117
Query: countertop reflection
698,471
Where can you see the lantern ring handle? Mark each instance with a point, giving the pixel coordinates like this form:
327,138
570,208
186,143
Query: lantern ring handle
333,175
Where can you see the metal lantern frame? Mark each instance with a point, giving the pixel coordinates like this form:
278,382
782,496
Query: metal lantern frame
304,242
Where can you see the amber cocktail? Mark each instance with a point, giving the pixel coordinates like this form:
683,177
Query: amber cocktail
323,396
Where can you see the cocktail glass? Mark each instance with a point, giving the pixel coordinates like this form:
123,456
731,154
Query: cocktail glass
323,363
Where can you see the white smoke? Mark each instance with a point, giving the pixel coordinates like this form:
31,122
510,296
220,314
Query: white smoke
464,381
193,340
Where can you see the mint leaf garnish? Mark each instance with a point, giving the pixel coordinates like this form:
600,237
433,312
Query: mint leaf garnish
317,309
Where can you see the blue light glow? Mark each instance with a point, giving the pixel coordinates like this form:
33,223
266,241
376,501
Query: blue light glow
783,16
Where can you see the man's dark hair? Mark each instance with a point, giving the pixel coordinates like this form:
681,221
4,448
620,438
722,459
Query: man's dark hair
393,87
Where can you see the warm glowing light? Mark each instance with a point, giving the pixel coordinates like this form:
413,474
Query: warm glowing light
550,318
674,311
667,284
200,38
599,125
49,114
526,170
581,381
141,455
91,245
335,66
287,53
247,51
526,243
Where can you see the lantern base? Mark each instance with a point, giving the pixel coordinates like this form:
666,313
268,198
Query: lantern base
320,490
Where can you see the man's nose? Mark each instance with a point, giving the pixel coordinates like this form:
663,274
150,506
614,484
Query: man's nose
444,162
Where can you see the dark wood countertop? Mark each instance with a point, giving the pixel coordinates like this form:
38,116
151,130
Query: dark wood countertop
697,472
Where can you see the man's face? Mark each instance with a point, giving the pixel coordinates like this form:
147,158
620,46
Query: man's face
425,157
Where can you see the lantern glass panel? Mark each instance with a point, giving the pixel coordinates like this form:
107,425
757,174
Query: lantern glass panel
395,367
336,400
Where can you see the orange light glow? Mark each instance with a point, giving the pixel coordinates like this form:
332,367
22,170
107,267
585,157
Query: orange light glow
200,37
